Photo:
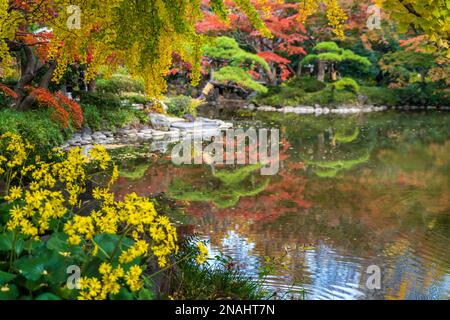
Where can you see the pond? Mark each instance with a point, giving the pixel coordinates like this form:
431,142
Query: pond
353,195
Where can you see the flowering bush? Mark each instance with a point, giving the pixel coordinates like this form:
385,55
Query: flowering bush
59,213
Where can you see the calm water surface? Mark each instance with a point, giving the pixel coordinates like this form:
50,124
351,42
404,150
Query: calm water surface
351,192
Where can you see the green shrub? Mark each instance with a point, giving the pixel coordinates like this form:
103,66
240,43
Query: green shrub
119,84
380,96
307,84
419,94
133,97
100,100
5,101
181,105
39,243
347,84
110,118
34,125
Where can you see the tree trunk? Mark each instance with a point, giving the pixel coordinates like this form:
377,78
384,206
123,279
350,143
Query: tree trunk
92,85
299,70
321,71
31,69
45,81
272,75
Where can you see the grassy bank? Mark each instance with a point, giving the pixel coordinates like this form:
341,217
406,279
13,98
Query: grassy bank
37,126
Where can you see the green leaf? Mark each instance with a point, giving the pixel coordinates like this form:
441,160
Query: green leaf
6,277
4,211
9,292
32,268
56,268
7,240
48,296
124,294
107,244
67,294
58,242
146,294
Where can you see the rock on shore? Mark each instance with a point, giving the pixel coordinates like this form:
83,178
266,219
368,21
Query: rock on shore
160,128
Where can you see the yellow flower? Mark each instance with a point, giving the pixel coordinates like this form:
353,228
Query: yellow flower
202,257
140,248
90,288
133,278
98,153
14,194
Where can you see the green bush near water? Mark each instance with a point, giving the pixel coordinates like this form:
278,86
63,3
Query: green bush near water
181,105
110,118
289,95
100,100
306,91
34,125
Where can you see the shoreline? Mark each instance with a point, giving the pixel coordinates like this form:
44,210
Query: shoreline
319,110
160,130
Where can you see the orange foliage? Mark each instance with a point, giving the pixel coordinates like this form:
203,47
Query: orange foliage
59,103
74,109
6,90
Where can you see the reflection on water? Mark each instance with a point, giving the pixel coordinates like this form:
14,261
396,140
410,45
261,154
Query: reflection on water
351,192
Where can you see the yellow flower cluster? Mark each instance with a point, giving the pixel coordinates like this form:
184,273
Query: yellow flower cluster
33,218
135,216
98,153
53,194
112,279
14,152
202,257
133,278
79,227
42,203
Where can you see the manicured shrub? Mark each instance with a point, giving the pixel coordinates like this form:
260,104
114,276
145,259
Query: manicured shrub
240,77
347,84
100,100
307,84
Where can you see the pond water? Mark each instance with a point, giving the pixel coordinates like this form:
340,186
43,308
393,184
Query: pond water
352,192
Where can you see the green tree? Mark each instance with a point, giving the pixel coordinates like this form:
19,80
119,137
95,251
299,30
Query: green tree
328,54
234,63
403,64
